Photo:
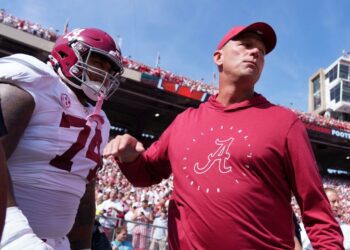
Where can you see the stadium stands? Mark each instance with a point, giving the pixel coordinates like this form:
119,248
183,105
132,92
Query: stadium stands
170,82
322,121
27,26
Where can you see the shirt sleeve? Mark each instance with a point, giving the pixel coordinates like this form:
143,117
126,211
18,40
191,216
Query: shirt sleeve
322,228
152,166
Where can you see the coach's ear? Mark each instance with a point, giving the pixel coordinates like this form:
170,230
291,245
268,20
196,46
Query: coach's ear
218,57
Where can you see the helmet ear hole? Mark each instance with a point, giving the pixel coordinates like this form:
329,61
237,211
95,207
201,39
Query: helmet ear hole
62,54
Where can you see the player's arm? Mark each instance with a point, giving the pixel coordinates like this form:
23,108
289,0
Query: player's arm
3,188
3,180
80,235
17,109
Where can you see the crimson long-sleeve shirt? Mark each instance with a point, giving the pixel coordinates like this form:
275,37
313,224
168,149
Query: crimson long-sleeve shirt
234,170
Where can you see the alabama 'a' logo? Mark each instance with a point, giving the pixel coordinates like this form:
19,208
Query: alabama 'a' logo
220,156
223,142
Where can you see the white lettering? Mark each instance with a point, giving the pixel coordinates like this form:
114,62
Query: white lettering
341,134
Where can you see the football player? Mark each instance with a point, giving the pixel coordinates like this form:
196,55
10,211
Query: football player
55,137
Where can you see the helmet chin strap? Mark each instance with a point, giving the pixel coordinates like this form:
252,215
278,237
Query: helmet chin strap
92,89
96,116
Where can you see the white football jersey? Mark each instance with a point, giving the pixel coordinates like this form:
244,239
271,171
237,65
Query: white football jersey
59,150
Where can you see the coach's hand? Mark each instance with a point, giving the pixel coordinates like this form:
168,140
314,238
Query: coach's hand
125,147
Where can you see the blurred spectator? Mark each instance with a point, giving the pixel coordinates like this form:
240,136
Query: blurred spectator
140,232
159,231
112,209
99,201
130,218
120,242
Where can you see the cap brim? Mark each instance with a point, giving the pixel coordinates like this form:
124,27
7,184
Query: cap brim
265,31
262,29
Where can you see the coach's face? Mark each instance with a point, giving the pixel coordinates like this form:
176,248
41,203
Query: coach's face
242,58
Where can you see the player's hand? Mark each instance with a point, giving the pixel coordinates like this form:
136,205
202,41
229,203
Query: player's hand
125,147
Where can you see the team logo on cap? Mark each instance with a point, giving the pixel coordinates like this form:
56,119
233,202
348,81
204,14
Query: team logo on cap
65,100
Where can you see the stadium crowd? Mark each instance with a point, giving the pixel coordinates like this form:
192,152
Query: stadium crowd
168,76
142,211
111,182
27,26
322,121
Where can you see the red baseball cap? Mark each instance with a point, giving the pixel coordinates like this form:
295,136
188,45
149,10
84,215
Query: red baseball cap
264,30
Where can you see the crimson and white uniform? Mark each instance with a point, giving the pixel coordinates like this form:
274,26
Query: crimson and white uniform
58,152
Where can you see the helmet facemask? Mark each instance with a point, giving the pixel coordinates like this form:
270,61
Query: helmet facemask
94,81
